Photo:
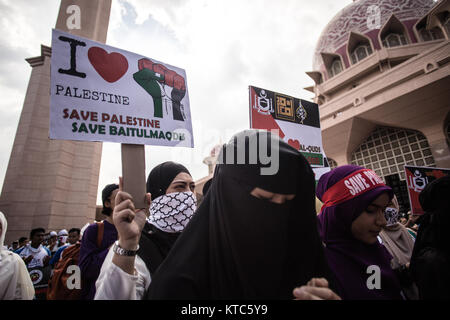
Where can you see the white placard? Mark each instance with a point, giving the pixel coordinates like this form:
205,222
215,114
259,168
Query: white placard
102,93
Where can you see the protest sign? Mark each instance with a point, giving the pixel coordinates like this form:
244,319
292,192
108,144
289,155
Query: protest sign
102,93
416,180
296,120
39,277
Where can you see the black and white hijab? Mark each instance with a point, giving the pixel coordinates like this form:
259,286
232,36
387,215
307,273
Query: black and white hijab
240,247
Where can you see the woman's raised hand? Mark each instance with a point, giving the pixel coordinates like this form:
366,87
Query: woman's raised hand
128,221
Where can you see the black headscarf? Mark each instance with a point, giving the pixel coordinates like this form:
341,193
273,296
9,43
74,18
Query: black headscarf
430,260
155,244
206,187
433,230
162,176
239,247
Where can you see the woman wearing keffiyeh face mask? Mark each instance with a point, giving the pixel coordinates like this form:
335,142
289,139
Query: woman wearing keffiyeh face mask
254,236
173,203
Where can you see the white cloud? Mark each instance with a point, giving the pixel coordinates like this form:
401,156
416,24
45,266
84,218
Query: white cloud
224,46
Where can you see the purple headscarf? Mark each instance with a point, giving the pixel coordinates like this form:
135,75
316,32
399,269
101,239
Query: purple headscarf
348,257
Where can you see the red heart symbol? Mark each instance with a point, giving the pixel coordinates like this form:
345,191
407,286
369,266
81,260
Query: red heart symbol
294,143
110,66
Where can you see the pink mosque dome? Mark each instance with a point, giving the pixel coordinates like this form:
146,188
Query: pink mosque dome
359,19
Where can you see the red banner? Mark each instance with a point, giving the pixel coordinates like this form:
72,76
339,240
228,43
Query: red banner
416,180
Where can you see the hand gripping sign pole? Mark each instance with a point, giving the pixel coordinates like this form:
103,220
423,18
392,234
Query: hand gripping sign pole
133,173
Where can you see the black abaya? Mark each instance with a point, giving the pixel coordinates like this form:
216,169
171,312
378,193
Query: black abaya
240,247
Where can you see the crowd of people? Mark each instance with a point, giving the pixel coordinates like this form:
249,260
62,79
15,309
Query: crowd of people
253,236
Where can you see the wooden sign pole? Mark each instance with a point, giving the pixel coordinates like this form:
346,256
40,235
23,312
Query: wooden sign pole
133,173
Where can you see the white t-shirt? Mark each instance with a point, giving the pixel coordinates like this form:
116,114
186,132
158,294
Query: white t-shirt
38,255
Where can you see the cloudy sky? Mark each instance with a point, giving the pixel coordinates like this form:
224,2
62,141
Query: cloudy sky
224,46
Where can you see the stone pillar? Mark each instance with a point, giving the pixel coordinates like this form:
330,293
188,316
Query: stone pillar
94,18
341,159
438,144
53,183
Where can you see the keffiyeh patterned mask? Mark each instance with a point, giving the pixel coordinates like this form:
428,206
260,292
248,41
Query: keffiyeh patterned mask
172,212
391,215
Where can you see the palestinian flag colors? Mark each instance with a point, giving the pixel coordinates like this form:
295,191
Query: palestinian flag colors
297,120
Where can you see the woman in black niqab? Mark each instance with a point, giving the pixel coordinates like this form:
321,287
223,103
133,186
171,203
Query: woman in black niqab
430,260
238,246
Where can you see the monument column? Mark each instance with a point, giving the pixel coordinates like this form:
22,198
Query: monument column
53,183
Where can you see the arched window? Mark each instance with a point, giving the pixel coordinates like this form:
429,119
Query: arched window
430,35
360,53
336,67
447,24
394,40
333,63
